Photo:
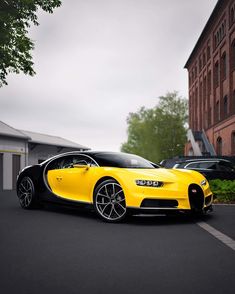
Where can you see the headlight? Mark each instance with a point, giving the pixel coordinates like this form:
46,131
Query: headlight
203,183
148,183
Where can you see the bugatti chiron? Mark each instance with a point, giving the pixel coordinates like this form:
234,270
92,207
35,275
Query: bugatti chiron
113,184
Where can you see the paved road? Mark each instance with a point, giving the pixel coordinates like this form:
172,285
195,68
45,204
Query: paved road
65,251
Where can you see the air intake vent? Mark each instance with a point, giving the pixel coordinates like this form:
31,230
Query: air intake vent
159,203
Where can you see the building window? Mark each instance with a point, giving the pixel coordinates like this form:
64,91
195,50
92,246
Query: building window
208,52
225,106
220,33
233,55
216,74
232,18
233,143
233,102
204,90
204,59
196,105
223,66
200,101
209,82
223,30
219,148
217,112
200,64
209,116
217,39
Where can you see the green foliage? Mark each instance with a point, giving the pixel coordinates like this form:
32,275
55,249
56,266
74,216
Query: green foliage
15,46
159,132
223,190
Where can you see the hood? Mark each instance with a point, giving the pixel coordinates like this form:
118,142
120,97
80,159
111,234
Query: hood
167,175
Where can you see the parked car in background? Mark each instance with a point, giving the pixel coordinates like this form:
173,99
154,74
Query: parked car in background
211,168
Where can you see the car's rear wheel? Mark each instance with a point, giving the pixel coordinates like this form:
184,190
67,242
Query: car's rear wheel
109,201
26,193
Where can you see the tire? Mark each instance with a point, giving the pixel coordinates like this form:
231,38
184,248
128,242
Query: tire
26,193
200,214
109,201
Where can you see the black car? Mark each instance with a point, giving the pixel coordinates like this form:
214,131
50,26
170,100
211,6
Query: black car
211,168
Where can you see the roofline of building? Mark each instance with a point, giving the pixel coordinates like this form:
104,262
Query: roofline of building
30,140
20,135
25,138
207,26
73,144
57,145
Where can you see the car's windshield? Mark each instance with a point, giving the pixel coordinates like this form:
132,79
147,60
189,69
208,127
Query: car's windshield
123,160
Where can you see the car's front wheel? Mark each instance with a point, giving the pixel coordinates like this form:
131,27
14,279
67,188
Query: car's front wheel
109,201
26,193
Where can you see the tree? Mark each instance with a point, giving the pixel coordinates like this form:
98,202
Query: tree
15,46
159,132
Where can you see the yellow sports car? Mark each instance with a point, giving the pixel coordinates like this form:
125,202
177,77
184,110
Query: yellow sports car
113,184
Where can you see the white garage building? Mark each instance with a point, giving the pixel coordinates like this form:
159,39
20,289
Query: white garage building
20,148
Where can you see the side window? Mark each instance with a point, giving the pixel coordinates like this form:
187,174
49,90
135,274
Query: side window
56,163
80,162
193,165
68,162
224,166
208,165
81,159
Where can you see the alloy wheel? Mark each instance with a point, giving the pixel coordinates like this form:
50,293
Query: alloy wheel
25,192
110,201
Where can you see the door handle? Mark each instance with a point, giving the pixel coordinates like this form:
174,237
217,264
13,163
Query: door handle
59,178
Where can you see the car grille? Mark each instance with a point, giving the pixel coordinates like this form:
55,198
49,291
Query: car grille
196,197
159,203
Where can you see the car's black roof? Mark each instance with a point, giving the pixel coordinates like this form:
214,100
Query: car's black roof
88,152
106,158
91,153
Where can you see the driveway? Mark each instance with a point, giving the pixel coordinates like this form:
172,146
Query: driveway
56,250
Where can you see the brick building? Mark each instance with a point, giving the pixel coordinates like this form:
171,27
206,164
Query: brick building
211,71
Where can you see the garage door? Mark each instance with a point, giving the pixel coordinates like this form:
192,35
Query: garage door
15,169
1,172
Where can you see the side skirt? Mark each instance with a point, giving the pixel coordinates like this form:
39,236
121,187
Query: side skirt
52,199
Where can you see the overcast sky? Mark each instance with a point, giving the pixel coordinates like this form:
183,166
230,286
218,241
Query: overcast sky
98,60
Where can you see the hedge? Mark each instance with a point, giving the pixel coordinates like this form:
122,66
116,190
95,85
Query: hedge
223,190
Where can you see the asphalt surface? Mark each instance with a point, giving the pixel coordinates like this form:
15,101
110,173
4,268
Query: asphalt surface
56,250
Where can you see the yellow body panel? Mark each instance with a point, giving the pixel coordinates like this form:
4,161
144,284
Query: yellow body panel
79,183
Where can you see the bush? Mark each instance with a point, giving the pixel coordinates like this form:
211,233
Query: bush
223,190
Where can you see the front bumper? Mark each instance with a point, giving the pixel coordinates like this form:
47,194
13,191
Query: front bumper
165,211
170,197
